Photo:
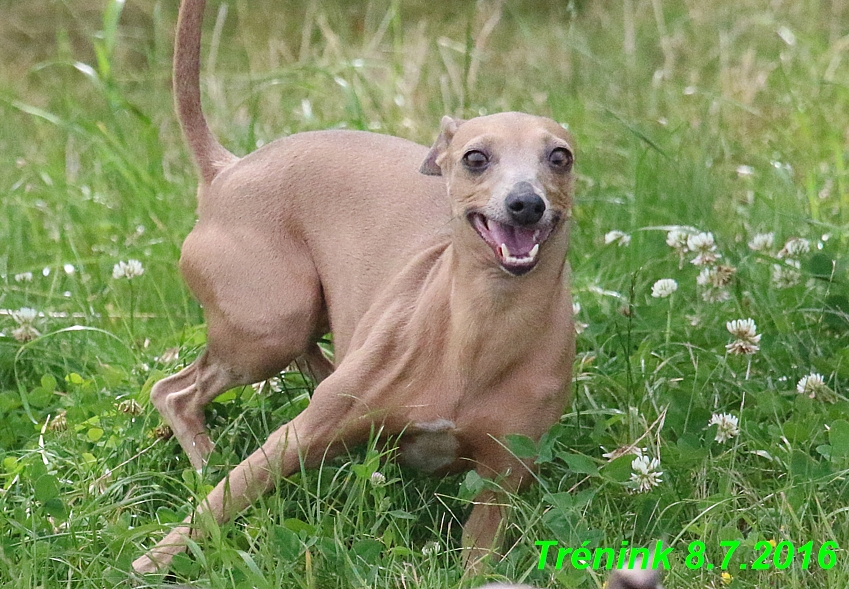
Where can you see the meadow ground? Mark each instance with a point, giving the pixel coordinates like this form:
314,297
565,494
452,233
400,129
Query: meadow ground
692,118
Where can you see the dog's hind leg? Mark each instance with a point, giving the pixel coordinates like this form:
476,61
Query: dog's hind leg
263,311
315,365
180,400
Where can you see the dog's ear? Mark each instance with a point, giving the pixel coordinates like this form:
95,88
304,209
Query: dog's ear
447,128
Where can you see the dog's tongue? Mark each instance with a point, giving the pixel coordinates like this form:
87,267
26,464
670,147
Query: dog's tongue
519,240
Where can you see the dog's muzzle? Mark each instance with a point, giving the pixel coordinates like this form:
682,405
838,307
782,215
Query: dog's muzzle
515,246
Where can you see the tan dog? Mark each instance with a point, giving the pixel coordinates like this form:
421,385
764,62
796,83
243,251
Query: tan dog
440,272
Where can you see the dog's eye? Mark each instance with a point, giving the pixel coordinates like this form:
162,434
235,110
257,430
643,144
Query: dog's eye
561,158
475,160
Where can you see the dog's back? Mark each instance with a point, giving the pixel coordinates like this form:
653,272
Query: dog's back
355,201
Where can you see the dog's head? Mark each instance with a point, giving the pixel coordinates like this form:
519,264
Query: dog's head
509,177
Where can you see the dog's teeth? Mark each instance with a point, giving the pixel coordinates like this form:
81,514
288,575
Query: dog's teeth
536,235
528,258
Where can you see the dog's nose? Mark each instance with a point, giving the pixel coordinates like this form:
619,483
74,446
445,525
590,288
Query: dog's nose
524,205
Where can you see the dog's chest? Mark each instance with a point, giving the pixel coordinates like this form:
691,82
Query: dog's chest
431,446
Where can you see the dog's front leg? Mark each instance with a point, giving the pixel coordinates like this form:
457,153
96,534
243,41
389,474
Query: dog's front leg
247,482
483,532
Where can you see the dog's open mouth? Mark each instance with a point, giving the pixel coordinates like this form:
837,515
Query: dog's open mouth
517,248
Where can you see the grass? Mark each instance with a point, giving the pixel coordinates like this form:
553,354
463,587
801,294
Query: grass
723,117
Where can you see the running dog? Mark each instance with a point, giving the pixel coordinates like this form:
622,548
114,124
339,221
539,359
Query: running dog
441,273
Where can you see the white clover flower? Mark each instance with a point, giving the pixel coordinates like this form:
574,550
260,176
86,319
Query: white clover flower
705,247
742,348
677,239
25,333
701,242
727,426
706,277
787,274
69,269
275,385
715,295
129,270
715,276
261,386
811,384
24,316
705,259
723,274
747,337
744,170
431,548
743,329
646,473
618,237
23,277
762,242
377,479
663,288
795,247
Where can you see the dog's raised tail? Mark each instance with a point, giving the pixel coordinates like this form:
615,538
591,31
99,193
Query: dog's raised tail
210,156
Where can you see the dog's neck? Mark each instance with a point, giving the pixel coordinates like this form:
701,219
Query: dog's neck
494,318
456,317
